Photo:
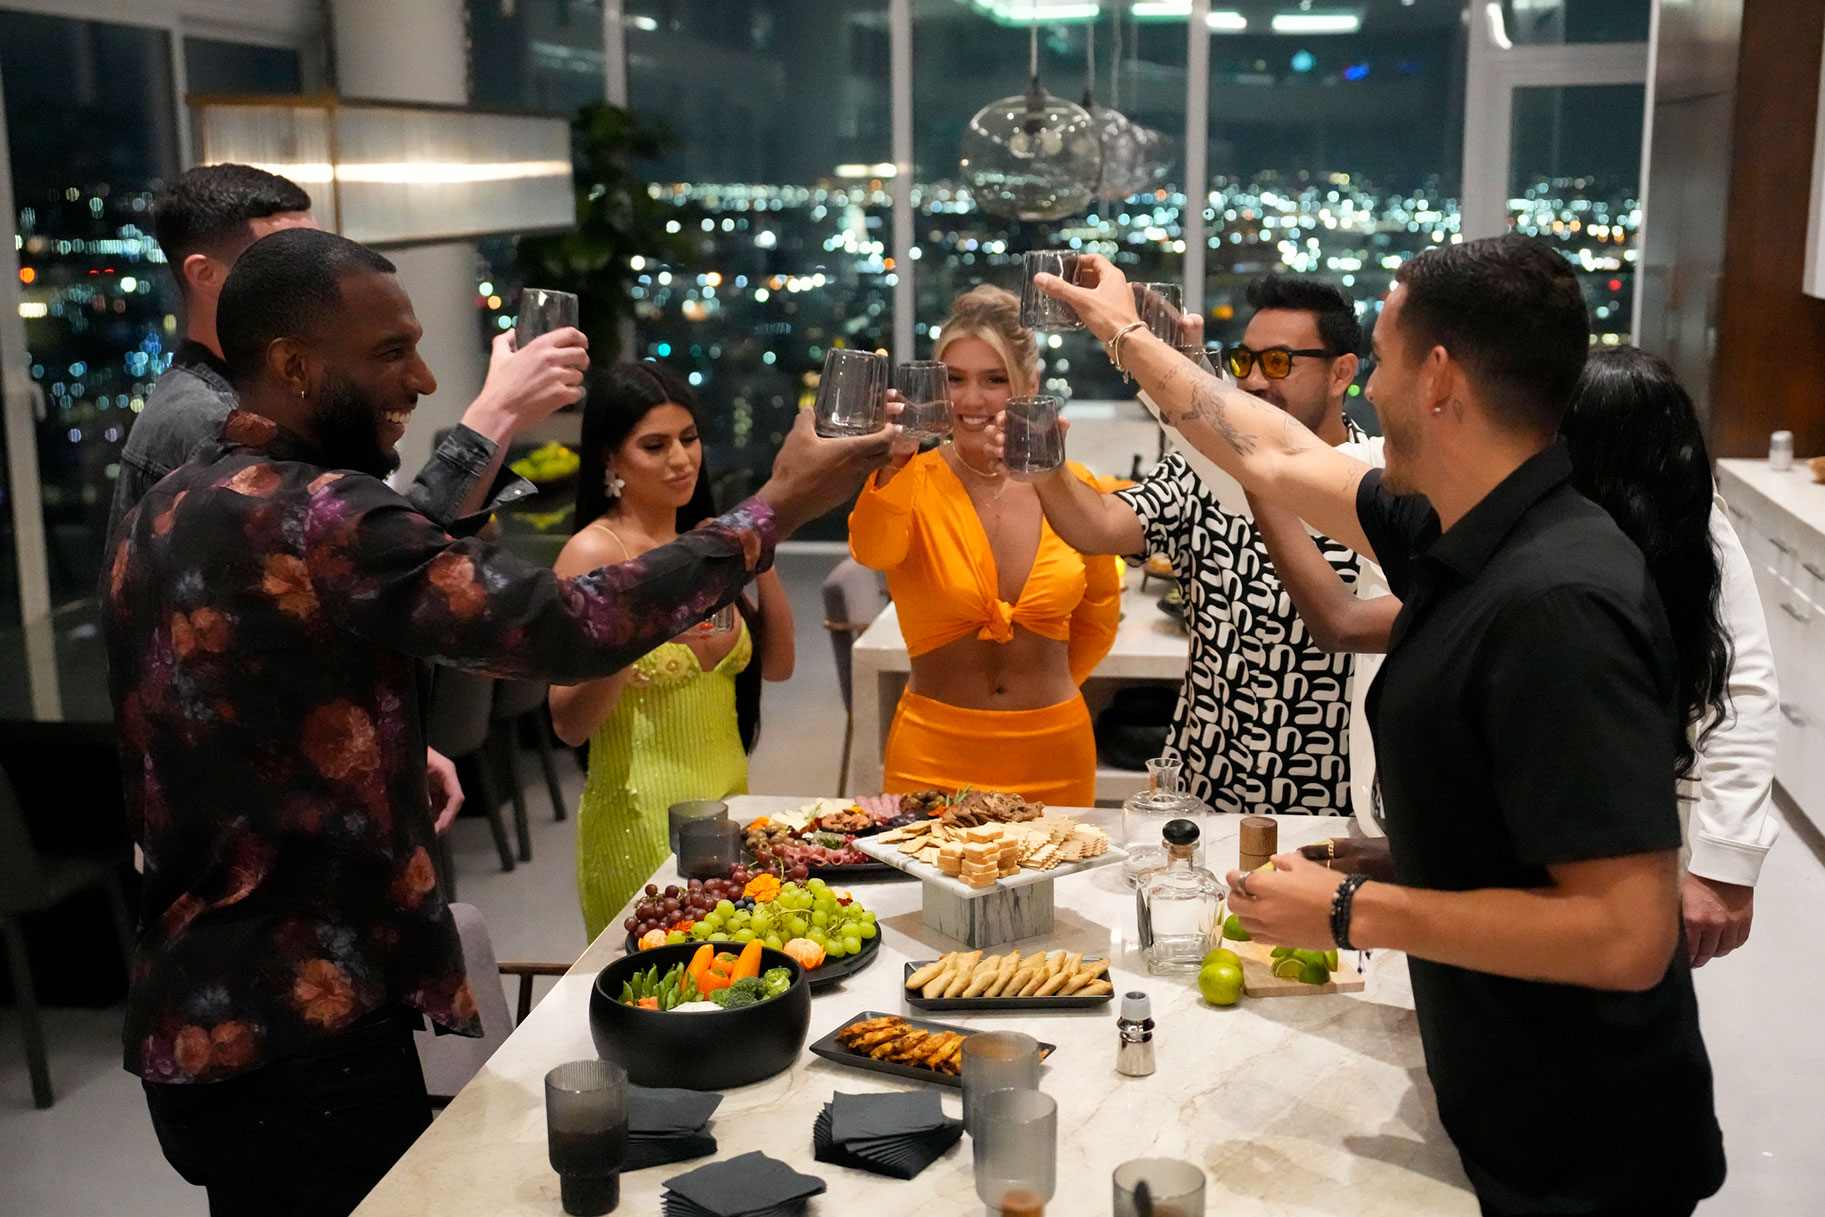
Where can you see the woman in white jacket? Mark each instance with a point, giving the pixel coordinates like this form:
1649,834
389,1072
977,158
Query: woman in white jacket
1637,451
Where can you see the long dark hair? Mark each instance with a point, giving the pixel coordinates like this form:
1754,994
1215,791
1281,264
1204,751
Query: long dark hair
618,397
1638,452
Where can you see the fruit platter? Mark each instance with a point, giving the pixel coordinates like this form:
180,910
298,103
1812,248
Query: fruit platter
827,932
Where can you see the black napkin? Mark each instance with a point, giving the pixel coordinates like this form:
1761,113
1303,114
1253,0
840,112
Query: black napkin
667,1125
897,1134
748,1185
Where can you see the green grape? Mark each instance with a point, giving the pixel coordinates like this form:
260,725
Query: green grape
820,918
708,925
867,916
834,948
725,907
865,930
818,885
796,926
744,935
851,944
772,940
818,936
675,937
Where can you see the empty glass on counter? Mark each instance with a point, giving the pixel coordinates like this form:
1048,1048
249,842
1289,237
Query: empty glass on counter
925,398
995,1060
542,311
680,814
708,848
852,393
1172,1188
1033,442
1039,311
1146,813
1015,1142
586,1129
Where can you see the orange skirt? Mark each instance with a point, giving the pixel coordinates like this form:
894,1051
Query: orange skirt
1046,755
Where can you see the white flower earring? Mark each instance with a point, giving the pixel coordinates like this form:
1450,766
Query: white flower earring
612,484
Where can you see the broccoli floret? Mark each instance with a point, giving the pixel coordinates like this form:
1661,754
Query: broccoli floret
751,984
776,981
737,998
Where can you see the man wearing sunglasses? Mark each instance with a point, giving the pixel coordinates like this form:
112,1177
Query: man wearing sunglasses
1263,723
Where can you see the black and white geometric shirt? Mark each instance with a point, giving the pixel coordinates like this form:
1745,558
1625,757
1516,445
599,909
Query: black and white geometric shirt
1263,720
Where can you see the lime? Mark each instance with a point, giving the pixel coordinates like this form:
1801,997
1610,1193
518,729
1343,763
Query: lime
1232,929
1305,956
1222,955
1282,952
1220,983
1330,960
1288,968
1313,974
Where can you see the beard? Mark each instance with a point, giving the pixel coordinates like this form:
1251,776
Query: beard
347,425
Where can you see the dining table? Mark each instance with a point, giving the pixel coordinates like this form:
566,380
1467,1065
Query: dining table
1292,1106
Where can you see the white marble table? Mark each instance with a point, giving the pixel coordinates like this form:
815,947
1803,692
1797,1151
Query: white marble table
1148,647
1293,1106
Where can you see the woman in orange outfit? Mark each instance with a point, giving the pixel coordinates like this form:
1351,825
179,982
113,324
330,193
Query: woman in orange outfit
1003,620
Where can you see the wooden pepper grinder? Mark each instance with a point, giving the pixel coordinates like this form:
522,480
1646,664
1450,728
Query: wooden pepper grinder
1260,841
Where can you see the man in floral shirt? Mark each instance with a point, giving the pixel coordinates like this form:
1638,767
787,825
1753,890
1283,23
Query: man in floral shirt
272,607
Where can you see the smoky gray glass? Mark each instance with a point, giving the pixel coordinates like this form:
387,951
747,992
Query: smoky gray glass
1039,311
1015,1142
689,811
1033,442
925,398
542,311
1173,1188
708,848
586,1126
852,393
996,1060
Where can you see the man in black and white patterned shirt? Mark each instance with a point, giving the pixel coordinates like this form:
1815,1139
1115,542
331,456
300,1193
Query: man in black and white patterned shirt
1263,720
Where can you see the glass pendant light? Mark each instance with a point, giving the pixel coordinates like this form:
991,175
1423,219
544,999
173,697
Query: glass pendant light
1033,156
1134,156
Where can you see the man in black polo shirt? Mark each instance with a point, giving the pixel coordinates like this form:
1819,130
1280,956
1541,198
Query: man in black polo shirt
1526,724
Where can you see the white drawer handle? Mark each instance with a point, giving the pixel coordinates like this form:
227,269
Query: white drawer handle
1812,570
1781,545
1794,613
1793,715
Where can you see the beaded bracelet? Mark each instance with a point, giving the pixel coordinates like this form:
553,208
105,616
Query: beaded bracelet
1341,899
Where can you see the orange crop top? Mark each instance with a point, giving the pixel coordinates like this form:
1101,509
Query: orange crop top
923,531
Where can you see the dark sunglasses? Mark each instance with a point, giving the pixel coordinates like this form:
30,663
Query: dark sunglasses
1276,362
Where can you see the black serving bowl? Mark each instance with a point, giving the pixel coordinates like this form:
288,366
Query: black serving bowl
698,1049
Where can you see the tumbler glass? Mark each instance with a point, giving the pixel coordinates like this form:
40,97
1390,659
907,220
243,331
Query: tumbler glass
1034,442
719,622
542,311
1162,307
1173,1188
680,814
996,1060
852,393
1015,1143
925,392
586,1123
1039,311
708,848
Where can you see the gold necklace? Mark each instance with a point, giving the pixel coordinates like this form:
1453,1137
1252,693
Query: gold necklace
995,473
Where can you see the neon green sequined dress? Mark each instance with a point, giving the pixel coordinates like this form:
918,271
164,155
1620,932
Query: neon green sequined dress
671,736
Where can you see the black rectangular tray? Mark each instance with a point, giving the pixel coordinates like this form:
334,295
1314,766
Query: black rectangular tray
1069,1002
831,1050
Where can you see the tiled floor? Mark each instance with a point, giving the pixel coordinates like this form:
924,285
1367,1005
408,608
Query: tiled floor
94,1152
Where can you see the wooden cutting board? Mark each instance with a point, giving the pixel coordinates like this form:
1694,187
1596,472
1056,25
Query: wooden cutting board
1258,979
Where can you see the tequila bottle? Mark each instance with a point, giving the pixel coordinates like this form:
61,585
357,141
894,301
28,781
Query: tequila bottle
1179,905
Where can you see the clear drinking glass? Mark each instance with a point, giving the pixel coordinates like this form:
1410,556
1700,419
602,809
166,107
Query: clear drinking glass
707,848
586,1123
1015,1142
852,393
542,311
1147,812
925,392
996,1060
1034,442
1162,307
719,622
1039,311
1174,1188
680,814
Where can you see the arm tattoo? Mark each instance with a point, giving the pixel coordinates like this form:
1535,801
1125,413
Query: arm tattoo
1207,403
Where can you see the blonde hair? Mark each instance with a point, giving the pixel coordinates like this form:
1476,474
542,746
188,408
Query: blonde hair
993,315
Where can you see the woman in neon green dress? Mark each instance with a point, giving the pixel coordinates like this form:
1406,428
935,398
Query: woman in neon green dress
666,728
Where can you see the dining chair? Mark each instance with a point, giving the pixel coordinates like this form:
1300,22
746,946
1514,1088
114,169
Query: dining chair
462,709
854,596
31,882
519,711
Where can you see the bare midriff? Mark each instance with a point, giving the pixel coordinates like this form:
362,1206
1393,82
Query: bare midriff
1028,672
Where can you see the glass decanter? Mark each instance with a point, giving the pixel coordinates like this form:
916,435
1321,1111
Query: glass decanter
1179,905
1146,814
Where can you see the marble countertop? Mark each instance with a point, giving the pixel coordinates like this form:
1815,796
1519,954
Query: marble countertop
1792,490
1292,1106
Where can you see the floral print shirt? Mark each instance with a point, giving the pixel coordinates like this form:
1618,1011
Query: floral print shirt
269,625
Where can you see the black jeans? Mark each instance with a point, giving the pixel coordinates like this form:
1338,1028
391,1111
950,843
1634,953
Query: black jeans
307,1136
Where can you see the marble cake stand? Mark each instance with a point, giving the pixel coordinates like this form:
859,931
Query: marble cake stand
1019,906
